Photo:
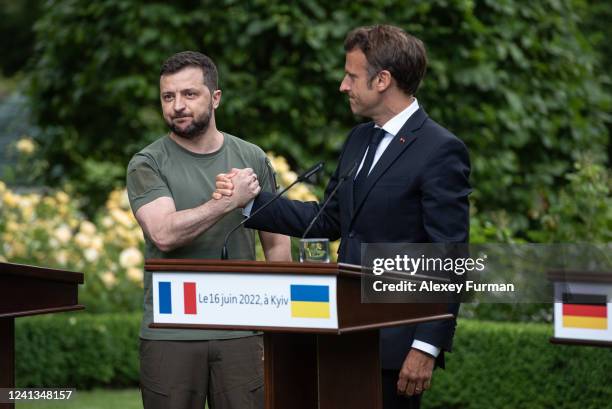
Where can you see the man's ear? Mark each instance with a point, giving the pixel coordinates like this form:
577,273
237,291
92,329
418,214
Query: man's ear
216,98
383,80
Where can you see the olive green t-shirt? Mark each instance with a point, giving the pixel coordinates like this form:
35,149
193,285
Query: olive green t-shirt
166,169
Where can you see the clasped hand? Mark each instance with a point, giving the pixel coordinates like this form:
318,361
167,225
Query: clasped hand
239,186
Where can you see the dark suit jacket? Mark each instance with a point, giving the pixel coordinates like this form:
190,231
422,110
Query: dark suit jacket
416,193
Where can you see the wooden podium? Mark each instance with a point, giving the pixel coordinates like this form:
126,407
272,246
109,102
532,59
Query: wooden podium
27,290
321,343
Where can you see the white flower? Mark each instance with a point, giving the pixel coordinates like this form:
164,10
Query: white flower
121,217
62,197
53,243
130,257
107,222
124,201
63,233
82,240
26,146
109,279
91,255
61,257
96,243
88,228
134,274
10,199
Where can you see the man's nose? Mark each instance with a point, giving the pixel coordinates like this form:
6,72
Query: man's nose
179,104
344,85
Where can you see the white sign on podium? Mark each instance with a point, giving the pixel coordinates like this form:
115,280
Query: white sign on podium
240,299
583,311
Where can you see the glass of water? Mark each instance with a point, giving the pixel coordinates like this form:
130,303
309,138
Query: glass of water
314,250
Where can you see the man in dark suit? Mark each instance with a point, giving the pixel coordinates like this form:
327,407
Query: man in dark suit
411,186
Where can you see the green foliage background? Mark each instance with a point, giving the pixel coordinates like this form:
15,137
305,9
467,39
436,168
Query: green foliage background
519,82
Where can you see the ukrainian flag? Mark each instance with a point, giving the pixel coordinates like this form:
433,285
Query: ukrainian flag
309,301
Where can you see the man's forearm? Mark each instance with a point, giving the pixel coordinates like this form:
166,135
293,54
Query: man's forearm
276,247
278,253
182,227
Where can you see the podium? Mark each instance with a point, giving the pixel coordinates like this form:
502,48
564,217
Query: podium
321,344
27,290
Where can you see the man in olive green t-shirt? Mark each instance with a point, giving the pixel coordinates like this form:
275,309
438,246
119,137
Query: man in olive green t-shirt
170,183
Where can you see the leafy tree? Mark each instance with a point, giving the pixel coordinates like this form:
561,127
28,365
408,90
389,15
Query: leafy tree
583,209
597,26
16,34
517,81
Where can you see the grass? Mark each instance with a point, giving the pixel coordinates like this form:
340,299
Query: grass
96,399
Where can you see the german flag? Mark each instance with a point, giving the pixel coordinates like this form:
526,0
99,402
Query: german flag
588,311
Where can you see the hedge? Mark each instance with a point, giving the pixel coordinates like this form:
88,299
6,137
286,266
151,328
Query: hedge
77,350
513,365
495,365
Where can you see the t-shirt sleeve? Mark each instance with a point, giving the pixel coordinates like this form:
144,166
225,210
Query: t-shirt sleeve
144,182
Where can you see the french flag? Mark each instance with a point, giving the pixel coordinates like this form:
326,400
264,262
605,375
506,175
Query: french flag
189,298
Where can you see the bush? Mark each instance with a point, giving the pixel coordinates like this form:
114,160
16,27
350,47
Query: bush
47,229
582,211
494,365
503,366
517,81
77,350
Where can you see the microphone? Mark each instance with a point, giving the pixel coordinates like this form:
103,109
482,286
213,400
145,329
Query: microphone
306,175
350,172
301,178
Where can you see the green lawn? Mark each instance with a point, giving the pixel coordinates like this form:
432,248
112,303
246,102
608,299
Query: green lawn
96,399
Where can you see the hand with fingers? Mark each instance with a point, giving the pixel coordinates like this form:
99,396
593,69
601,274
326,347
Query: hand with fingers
224,185
416,372
240,185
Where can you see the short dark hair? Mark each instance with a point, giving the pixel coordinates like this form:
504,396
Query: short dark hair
391,48
192,59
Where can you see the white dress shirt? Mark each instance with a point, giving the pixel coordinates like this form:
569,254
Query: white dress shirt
391,128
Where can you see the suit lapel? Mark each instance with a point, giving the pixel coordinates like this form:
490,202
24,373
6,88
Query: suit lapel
404,138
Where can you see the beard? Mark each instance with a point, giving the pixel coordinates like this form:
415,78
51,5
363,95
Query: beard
198,125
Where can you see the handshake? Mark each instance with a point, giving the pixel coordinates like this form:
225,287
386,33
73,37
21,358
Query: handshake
237,187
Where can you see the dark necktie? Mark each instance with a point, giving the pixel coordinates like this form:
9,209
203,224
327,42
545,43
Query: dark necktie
360,180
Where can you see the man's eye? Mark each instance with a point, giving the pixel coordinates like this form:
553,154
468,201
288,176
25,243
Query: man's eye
191,94
167,97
